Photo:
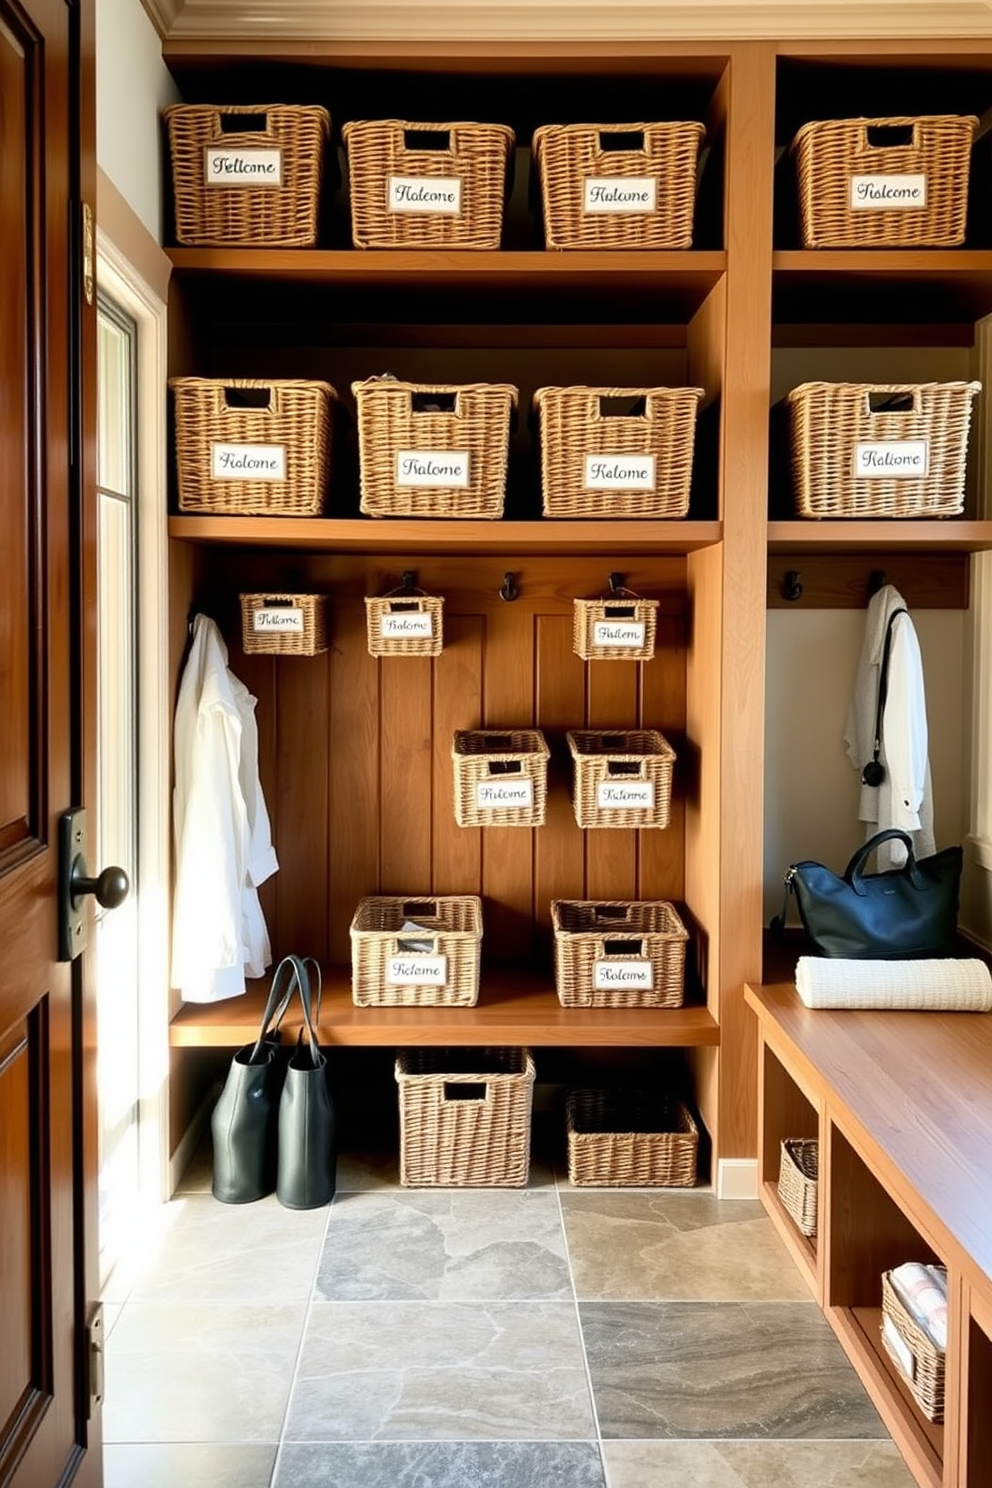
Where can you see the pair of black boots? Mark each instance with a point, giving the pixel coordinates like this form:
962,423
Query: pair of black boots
273,1126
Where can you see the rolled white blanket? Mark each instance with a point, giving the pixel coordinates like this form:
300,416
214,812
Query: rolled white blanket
923,1292
938,985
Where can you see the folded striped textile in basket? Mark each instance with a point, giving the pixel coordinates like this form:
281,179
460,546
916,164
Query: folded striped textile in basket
940,985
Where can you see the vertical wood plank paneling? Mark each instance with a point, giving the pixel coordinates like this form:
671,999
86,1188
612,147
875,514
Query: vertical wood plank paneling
406,746
457,705
612,692
301,809
258,673
662,852
561,700
353,848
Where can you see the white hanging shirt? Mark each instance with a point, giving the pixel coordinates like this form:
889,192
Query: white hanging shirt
223,838
904,798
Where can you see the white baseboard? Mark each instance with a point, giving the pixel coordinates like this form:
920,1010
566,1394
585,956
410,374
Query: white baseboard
737,1178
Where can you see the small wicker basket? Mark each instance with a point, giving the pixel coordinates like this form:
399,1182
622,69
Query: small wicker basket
619,626
247,175
465,1117
797,1182
880,450
405,622
433,450
884,183
621,779
251,447
618,185
435,963
426,185
284,624
500,777
630,1138
621,954
617,452
919,1362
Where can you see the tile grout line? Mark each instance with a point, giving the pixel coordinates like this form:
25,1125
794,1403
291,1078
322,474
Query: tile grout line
578,1324
294,1372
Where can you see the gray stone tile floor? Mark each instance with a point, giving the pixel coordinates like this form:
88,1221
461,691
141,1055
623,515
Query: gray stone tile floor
546,1337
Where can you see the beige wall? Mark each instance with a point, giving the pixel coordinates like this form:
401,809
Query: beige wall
132,86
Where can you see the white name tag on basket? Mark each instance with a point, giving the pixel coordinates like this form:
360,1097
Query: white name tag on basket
253,462
421,971
278,619
432,468
896,192
619,194
904,458
632,793
441,194
619,473
611,974
504,793
251,167
618,633
398,626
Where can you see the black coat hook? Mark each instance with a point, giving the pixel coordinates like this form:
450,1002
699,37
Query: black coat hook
509,588
876,581
792,584
615,581
409,579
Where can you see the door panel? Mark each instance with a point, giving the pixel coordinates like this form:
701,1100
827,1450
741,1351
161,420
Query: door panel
42,1401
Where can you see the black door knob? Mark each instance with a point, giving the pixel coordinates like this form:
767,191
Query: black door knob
111,888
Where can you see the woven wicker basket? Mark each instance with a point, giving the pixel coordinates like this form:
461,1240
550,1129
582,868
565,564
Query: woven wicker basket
845,201
286,445
617,452
407,622
426,185
925,1375
434,965
797,1182
618,185
284,624
500,777
433,450
841,430
465,1117
619,626
286,154
621,954
621,779
630,1138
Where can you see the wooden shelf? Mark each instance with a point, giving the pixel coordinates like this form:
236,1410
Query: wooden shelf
815,286
514,1008
800,1247
894,535
410,535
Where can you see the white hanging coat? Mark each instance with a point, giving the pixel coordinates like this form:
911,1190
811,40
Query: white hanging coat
223,838
904,797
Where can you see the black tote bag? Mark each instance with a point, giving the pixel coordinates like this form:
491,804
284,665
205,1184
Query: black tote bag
307,1148
243,1122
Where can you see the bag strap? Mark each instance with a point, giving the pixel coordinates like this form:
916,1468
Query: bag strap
303,982
883,684
277,1003
853,871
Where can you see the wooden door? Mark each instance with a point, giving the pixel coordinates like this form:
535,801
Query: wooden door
47,1183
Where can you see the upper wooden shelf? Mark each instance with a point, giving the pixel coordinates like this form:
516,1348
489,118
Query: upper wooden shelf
515,1007
892,535
440,535
879,286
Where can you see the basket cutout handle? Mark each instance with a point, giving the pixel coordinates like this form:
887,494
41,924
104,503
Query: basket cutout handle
634,405
254,123
619,612
505,767
433,402
611,911
614,946
248,397
890,136
618,141
414,907
465,1090
403,606
278,601
622,767
433,140
881,400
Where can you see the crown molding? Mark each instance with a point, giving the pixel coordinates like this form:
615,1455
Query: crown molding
567,20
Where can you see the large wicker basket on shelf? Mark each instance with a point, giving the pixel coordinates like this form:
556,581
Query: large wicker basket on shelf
617,452
247,175
623,953
465,1117
500,777
884,183
797,1182
630,1138
917,1358
618,185
433,962
621,779
880,450
432,449
247,446
283,624
426,185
